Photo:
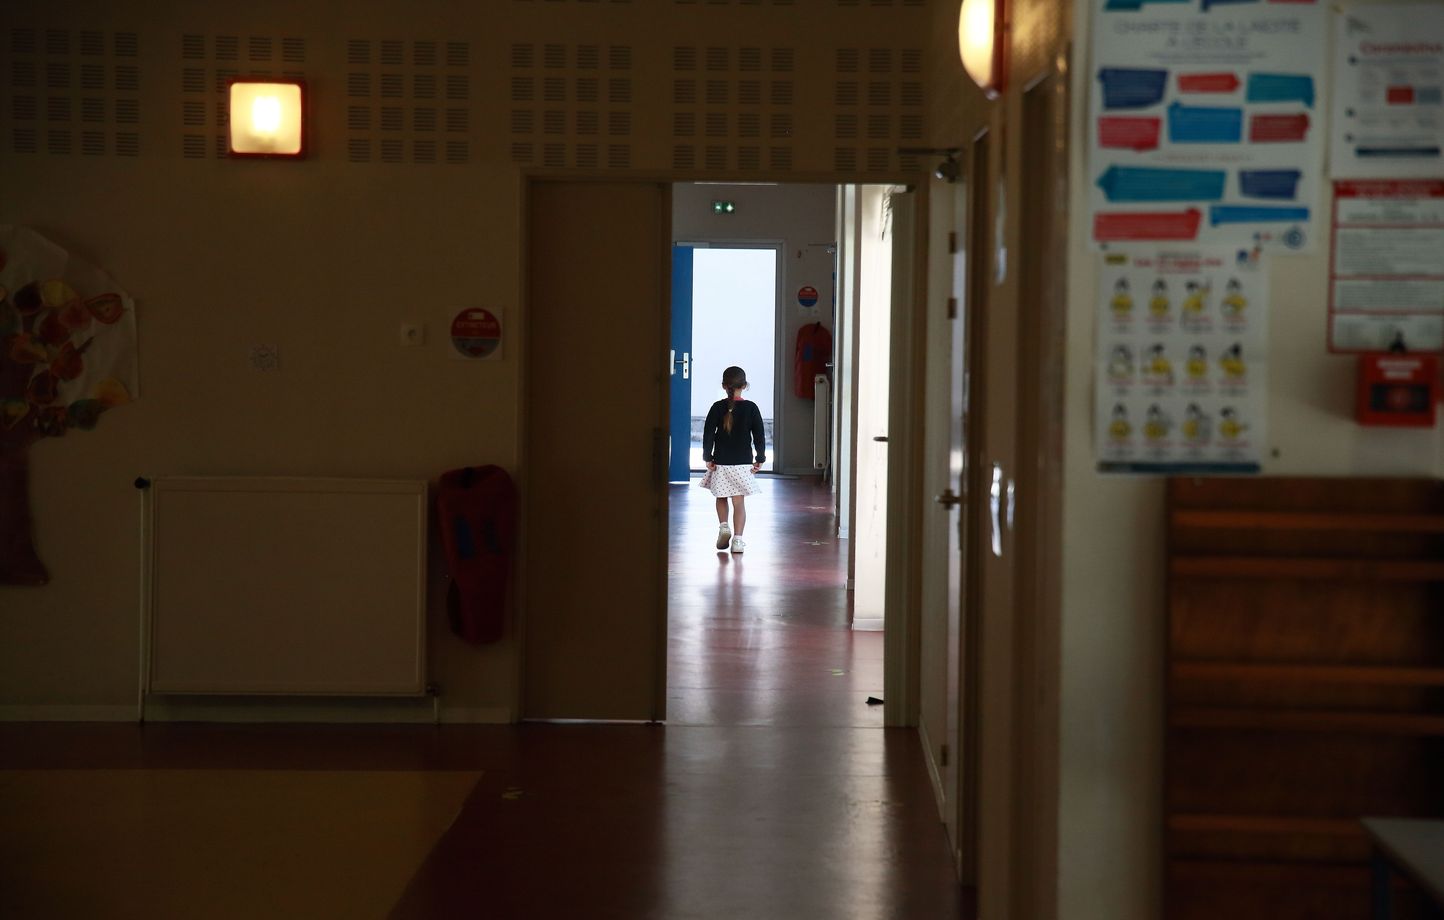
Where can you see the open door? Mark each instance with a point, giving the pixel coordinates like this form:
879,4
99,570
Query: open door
973,282
680,426
595,451
944,485
874,359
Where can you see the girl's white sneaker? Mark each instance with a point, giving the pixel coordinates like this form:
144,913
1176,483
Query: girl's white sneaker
724,536
739,545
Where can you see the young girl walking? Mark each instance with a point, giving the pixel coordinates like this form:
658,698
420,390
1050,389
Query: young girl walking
733,429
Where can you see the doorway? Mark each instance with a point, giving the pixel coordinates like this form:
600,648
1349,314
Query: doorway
763,637
798,281
725,312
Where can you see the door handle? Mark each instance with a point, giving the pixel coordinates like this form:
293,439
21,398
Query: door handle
948,499
880,438
995,506
685,363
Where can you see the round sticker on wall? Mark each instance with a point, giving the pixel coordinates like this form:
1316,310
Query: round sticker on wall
476,333
807,296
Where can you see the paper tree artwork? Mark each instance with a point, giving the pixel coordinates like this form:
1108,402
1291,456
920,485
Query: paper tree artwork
67,356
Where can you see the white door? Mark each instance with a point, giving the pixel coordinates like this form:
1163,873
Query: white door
869,529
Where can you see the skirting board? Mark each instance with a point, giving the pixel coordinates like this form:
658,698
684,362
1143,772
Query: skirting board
23,713
190,711
933,774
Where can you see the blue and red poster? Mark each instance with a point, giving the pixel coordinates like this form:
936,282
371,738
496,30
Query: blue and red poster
1206,121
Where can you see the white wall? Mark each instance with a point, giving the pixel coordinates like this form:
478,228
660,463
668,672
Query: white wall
1113,558
802,217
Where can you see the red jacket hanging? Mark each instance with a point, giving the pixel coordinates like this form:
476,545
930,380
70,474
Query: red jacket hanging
814,351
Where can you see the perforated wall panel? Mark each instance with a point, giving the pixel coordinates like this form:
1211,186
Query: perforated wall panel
409,101
732,88
733,108
72,92
878,100
571,105
208,63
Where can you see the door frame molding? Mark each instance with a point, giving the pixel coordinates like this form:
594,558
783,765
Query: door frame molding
900,664
779,322
977,248
907,383
1038,594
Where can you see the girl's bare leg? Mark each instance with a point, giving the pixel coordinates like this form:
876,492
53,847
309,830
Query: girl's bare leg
739,513
721,510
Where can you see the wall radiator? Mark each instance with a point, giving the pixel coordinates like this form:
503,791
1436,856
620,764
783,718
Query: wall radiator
284,586
821,422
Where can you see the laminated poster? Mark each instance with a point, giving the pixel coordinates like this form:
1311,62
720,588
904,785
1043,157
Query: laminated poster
1389,92
1181,366
1386,274
1205,122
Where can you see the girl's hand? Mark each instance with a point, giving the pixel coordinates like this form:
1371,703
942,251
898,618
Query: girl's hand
711,466
756,467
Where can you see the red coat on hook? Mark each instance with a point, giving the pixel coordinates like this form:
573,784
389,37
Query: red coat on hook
814,352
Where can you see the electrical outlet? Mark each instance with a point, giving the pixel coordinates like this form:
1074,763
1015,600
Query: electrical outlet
266,357
413,334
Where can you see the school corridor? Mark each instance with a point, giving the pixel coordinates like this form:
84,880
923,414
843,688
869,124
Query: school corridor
773,791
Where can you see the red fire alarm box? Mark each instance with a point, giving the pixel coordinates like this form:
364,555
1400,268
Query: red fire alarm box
1398,389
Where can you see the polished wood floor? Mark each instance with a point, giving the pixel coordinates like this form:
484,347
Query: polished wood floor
772,792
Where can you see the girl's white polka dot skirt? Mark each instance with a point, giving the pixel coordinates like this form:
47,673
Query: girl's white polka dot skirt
727,481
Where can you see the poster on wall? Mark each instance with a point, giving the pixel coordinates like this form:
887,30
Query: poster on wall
1204,122
1386,276
1388,92
1181,365
67,358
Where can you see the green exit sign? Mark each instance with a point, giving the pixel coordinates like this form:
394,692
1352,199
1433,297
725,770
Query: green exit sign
723,207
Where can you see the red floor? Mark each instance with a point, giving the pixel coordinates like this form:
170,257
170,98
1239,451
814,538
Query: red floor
772,794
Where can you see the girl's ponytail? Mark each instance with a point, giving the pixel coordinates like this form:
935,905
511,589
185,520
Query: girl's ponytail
734,381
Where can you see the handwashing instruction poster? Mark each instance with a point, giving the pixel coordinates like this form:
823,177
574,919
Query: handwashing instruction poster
1206,122
1181,366
1389,92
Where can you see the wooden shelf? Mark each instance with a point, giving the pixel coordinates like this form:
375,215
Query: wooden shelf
1300,720
1304,657
1306,568
1307,673
1358,522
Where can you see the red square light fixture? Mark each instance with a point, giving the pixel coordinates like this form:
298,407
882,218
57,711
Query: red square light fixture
267,118
983,43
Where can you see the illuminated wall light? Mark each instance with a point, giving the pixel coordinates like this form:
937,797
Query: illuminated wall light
268,119
983,43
